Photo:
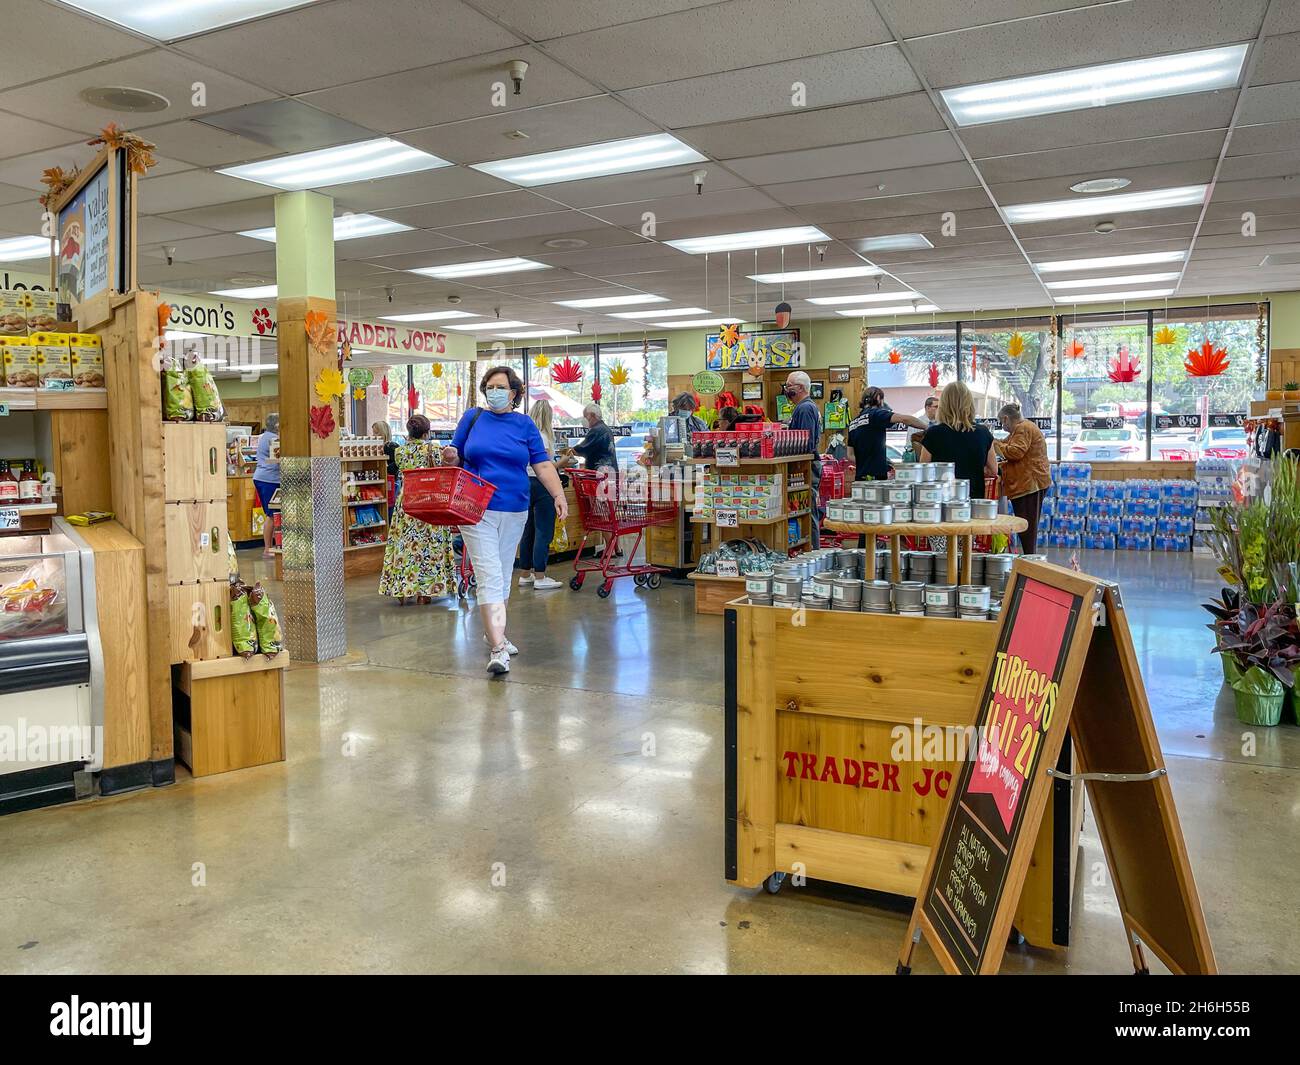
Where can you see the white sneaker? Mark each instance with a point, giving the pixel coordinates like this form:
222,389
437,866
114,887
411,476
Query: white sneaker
499,661
527,579
510,648
547,582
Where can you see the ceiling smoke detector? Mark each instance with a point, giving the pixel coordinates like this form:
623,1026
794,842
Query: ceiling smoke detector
1104,227
122,98
565,243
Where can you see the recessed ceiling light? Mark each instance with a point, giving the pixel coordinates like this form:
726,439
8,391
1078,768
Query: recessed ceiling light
1095,282
1105,262
902,308
896,242
259,292
1104,184
492,326
480,268
614,301
167,21
1182,196
122,98
425,316
182,334
537,333
346,227
1096,86
758,238
834,273
659,312
1116,297
565,243
696,323
871,297
16,249
593,160
363,161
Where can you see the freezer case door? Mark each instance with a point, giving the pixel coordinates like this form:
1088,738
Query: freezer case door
45,703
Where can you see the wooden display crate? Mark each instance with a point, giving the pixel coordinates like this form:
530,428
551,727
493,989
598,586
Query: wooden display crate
199,620
229,713
194,461
196,541
812,704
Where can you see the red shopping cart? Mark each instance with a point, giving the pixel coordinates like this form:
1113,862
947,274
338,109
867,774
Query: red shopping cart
604,510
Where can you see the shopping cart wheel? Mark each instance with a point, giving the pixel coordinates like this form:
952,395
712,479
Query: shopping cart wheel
640,580
576,582
604,590
773,883
653,581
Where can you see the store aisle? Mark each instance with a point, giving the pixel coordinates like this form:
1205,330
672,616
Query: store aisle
414,782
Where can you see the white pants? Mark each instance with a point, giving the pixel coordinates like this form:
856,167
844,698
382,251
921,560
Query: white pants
492,545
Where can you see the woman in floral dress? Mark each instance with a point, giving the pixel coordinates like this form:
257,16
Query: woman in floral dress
418,560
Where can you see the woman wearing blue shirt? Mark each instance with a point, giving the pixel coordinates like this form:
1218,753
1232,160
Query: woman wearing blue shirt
266,475
499,444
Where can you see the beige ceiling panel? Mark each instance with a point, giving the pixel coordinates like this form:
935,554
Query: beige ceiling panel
203,145
681,208
1253,194
914,18
1254,167
927,206
32,28
426,186
633,188
895,183
231,217
193,188
1126,221
1272,137
539,225
1279,59
1147,164
545,21
489,208
394,244
894,153
535,246
19,135
1270,103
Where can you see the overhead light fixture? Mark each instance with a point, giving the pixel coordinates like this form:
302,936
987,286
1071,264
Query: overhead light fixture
346,227
870,297
1051,210
1130,279
1105,262
1096,86
835,273
480,268
16,249
425,316
613,301
170,21
594,160
903,308
362,161
696,323
263,366
539,333
1116,297
258,292
758,238
676,312
183,334
1105,184
896,242
492,326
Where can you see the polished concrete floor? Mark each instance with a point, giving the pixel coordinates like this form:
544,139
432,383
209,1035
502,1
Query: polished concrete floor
430,819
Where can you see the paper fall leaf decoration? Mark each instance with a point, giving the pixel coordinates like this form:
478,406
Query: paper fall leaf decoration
436,369
459,391
1206,361
731,335
56,181
329,383
1075,349
320,331
618,374
1016,346
934,375
566,372
358,393
383,386
541,362
595,392
412,399
894,357
1123,367
1164,335
974,363
322,420
139,152
164,316
345,351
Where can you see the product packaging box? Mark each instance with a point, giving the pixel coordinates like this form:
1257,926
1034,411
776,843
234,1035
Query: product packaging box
1139,525
1177,490
1178,508
42,312
1103,526
1174,526
13,313
1141,508
1133,543
20,363
53,358
1107,490
87,360
1172,543
1105,508
1099,542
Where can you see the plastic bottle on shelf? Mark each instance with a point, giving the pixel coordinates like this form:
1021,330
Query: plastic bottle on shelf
8,485
29,485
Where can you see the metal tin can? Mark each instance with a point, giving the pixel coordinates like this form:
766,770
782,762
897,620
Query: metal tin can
956,512
945,471
909,472
902,513
876,596
928,493
941,597
868,491
816,602
759,584
787,587
909,596
846,593
983,509
877,514
961,490
821,587
897,494
927,471
852,514
929,513
973,599
834,511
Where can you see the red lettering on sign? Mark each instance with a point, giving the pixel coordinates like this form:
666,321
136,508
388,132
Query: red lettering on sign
852,772
791,757
869,770
354,337
809,766
367,334
917,785
891,776
392,337
942,782
829,767
441,337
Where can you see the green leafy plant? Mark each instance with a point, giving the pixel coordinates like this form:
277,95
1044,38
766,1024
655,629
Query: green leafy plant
1291,386
1267,636
1258,545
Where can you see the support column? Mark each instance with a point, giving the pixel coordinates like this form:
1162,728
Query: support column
310,472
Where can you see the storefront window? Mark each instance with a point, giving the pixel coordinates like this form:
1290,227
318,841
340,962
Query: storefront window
644,395
1010,361
1105,365
909,365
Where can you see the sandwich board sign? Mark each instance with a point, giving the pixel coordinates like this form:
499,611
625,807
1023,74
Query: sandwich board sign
1063,662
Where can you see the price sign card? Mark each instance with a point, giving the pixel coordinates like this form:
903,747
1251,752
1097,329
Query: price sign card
728,568
10,518
727,456
726,519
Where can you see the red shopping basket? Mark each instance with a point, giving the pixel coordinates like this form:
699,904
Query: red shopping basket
445,495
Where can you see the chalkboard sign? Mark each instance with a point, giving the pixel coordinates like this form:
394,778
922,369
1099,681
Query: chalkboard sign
1018,715
1225,421
1107,422
1178,421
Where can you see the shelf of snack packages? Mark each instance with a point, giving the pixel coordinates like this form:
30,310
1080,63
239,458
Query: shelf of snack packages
46,364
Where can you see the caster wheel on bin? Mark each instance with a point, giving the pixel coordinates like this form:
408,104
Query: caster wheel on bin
902,970
654,580
773,883
604,590
575,583
640,580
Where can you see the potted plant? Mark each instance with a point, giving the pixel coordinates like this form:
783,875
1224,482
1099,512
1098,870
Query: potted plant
1291,390
1274,394
1263,643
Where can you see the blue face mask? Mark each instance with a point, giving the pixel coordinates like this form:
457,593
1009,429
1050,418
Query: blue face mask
498,399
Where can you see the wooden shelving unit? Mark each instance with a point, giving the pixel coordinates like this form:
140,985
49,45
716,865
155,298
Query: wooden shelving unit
364,558
41,399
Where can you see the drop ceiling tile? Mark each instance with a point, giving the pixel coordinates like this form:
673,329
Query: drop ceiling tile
492,207
256,213
839,78
903,211
541,225
646,185
33,27
16,194
1285,207
1273,165
534,247
1100,33
322,45
19,136
426,186
918,149
545,21
915,18
868,186
193,188
1152,225
254,264
213,246
549,128
200,144
449,92
370,248
156,230
681,208
25,170
1270,103
708,225
1250,194
1146,163
288,126
23,218
1278,60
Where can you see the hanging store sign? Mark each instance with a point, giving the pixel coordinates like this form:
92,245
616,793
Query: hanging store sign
83,228
1178,421
1109,422
1224,421
774,349
708,383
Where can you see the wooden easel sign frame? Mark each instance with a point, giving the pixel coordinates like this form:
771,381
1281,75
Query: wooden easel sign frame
1063,661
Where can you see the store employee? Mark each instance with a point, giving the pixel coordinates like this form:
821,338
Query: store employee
867,434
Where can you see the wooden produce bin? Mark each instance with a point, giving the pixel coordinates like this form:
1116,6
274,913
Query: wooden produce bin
811,777
229,713
241,501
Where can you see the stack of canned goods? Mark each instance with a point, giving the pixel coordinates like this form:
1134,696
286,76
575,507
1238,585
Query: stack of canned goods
997,568
941,600
973,601
922,492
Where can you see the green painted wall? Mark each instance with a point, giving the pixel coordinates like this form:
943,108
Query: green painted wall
267,384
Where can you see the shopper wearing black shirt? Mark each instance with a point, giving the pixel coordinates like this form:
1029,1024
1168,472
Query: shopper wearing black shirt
867,434
597,452
957,439
806,416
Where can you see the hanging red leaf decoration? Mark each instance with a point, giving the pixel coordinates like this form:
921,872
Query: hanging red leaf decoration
1123,367
974,363
934,375
1075,349
383,385
1206,361
322,420
412,398
566,372
894,357
595,392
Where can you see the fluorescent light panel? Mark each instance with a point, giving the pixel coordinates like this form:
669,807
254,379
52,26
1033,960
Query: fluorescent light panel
613,301
833,273
1116,297
905,308
758,238
259,292
487,327
594,160
1097,282
1097,86
871,297
480,268
896,242
362,161
16,249
696,323
425,316
1105,262
538,333
167,21
346,227
1100,206
657,313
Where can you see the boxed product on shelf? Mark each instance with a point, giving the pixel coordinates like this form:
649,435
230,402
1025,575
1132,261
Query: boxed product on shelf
1178,508
42,311
1068,539
365,517
1099,541
1069,522
1071,471
1177,490
767,442
87,360
1045,522
1138,524
1104,526
1133,543
1105,508
1049,506
1174,526
1172,543
21,370
53,358
1072,490
13,313
1107,490
1141,508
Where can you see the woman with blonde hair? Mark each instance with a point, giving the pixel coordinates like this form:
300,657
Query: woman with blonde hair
535,544
957,439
